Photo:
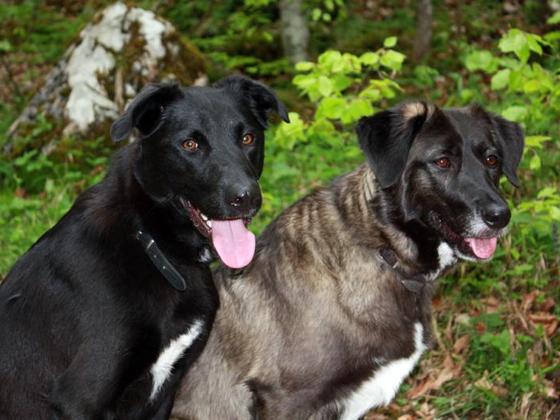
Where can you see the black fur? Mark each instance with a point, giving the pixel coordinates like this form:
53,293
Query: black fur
402,144
84,313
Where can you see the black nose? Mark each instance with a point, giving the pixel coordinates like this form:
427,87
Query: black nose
246,200
496,215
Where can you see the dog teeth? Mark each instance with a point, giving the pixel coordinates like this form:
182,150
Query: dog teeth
209,223
204,217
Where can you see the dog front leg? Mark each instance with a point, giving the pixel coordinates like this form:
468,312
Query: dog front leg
90,385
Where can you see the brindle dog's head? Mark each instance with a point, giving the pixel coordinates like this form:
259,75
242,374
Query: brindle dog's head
443,169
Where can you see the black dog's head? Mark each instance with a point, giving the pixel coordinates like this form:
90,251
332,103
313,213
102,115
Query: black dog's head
443,167
202,149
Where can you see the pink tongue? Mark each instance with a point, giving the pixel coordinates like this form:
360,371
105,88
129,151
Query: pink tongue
233,242
482,248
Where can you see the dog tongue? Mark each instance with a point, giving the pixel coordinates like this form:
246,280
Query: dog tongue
233,242
482,248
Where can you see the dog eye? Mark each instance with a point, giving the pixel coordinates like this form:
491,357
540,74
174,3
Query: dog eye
248,139
443,163
190,145
491,161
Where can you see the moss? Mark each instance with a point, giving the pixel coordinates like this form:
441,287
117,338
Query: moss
187,65
34,135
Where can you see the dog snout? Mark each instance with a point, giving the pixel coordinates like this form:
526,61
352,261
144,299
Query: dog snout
496,215
246,199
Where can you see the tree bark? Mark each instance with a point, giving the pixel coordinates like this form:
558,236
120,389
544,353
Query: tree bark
424,20
295,32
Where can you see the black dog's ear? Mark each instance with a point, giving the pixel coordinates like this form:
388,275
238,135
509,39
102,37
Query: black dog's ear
146,111
511,138
386,137
260,98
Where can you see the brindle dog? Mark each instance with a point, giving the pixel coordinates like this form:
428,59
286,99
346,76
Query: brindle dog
335,310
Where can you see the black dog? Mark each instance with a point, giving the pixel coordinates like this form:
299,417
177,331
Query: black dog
103,315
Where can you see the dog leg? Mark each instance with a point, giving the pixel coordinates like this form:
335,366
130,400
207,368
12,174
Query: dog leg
165,407
91,383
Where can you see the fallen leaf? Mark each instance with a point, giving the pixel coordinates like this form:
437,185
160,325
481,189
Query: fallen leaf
528,300
20,192
492,304
525,404
463,319
484,383
461,344
420,389
541,317
550,390
548,321
450,371
547,305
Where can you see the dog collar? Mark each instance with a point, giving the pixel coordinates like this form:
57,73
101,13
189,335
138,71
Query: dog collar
412,282
173,277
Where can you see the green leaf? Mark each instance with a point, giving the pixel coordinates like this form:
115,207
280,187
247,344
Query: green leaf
501,79
515,113
357,109
325,86
316,14
536,141
520,43
304,66
5,46
392,60
331,108
480,60
500,341
547,192
369,59
535,163
341,82
532,86
390,42
554,19
533,43
554,213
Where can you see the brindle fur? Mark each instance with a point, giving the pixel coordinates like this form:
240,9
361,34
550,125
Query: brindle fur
318,310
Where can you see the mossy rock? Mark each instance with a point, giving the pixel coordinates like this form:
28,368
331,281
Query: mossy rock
119,52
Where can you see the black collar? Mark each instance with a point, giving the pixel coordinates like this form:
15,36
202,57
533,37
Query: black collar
173,277
412,282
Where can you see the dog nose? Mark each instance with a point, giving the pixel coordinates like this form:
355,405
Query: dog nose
245,200
241,199
496,215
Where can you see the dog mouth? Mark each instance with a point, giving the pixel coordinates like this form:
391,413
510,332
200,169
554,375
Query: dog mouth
230,238
480,248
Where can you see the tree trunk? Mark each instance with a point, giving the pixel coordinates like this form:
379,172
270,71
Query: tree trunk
295,33
424,20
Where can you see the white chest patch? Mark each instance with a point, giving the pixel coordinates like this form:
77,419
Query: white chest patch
162,368
382,387
205,256
446,258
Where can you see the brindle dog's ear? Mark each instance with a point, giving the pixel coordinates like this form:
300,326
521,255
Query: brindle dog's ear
386,137
260,99
146,111
511,139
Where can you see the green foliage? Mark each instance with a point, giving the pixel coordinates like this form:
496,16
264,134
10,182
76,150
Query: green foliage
507,362
325,10
336,81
